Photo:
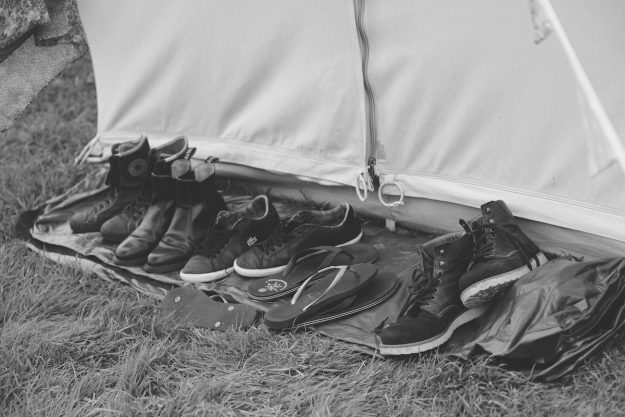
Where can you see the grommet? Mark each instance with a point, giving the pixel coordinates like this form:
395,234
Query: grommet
230,308
177,299
218,324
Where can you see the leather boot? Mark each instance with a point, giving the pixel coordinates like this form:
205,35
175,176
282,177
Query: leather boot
129,168
197,205
134,250
121,225
434,310
502,255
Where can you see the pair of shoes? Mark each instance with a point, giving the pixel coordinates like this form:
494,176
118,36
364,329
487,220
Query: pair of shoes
183,207
306,229
337,292
460,273
233,234
252,242
124,203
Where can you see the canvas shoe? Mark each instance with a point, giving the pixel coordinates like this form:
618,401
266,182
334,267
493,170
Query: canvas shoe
117,228
434,310
234,233
304,230
129,168
502,254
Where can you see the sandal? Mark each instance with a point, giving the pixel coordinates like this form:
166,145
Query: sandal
306,263
189,307
340,283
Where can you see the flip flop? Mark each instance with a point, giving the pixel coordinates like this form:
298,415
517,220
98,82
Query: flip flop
308,302
190,307
306,263
379,289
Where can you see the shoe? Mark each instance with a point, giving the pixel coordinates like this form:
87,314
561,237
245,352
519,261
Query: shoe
434,310
304,230
502,254
117,228
233,233
129,168
197,205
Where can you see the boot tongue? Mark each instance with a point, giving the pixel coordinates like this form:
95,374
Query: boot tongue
203,171
496,210
180,167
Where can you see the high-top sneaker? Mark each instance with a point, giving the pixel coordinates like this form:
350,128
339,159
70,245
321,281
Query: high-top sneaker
129,168
234,233
434,310
305,229
197,205
502,254
121,225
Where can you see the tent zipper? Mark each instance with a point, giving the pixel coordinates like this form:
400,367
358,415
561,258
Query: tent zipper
370,152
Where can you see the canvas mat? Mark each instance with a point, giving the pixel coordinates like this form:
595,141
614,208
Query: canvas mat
52,236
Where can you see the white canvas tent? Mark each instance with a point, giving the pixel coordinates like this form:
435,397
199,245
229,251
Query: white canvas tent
449,100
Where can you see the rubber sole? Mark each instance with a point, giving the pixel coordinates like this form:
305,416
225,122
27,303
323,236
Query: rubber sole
206,276
486,290
259,273
436,341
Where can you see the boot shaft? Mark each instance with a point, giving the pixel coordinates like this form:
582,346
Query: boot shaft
499,235
445,259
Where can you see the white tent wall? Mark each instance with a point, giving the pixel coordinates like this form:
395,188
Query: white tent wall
467,108
272,84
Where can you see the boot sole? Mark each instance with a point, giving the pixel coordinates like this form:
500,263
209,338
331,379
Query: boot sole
436,341
206,276
259,273
488,289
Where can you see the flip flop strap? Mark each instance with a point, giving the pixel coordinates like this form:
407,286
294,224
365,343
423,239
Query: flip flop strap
333,252
337,278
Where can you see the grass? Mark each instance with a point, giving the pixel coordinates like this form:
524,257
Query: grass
74,345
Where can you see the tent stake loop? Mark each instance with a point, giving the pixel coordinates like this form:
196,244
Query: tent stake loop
395,203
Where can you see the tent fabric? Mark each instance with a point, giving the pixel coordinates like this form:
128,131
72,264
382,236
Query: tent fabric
461,106
276,85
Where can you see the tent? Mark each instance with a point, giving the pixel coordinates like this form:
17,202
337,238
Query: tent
447,104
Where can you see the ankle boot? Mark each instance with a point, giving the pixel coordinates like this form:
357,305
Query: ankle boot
134,250
502,254
197,205
434,310
121,225
129,168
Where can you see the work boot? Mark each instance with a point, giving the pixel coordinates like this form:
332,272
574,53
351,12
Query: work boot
129,168
121,225
434,309
234,233
502,254
197,205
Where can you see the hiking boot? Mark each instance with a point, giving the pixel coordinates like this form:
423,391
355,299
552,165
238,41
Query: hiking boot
234,233
197,205
129,168
304,230
121,225
502,254
434,310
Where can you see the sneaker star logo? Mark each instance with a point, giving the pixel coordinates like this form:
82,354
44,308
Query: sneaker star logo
137,167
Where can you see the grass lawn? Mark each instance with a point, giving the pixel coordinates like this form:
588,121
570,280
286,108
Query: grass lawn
72,344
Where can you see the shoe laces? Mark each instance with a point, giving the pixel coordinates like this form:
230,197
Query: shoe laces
484,240
135,210
215,242
422,286
286,232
